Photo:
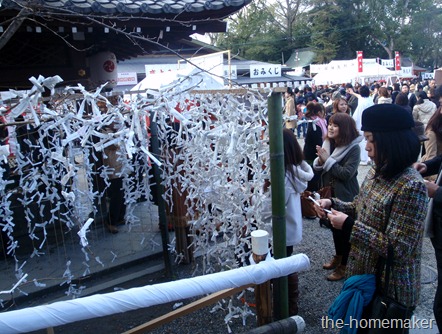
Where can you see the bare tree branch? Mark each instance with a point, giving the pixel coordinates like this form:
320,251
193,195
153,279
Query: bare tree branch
14,26
388,49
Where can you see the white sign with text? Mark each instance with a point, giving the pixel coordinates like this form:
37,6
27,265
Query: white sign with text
265,71
127,78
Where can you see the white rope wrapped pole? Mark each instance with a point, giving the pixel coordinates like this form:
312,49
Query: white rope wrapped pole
60,313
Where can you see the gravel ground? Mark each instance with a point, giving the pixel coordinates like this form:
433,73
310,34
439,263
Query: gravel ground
316,295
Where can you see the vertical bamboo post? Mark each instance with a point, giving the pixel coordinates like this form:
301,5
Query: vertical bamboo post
280,285
160,191
263,292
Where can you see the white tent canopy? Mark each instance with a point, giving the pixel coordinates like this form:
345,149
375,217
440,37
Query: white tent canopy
333,77
192,78
155,81
343,71
371,70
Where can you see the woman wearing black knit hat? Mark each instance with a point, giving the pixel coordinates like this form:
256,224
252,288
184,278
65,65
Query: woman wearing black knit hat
389,211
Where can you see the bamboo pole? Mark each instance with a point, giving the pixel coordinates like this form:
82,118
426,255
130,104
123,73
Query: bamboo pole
280,285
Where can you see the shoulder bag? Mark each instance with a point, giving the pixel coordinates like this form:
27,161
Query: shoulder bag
327,191
386,308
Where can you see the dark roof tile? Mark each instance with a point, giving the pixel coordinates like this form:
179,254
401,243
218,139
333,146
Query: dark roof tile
214,5
56,3
154,9
196,7
130,6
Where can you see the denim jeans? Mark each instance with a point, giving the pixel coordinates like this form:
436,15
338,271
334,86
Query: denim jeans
302,127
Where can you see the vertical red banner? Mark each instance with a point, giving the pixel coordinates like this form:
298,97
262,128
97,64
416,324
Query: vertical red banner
360,57
397,61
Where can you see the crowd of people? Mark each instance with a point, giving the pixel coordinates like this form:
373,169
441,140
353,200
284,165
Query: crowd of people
377,125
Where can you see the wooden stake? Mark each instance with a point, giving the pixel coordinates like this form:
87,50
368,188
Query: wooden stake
263,292
182,311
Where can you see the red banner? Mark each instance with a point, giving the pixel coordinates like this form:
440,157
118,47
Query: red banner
359,61
397,61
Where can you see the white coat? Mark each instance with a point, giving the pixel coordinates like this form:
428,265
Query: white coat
293,189
363,103
423,112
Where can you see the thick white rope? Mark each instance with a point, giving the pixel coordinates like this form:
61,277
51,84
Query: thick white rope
60,313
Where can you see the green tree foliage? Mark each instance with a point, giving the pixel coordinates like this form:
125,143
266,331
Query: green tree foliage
287,16
411,27
353,27
325,36
336,29
425,31
388,23
252,35
264,31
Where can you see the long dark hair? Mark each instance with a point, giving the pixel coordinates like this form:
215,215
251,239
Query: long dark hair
347,129
401,99
395,151
292,151
421,97
435,124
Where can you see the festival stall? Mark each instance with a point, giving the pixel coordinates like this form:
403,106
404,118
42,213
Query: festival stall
345,71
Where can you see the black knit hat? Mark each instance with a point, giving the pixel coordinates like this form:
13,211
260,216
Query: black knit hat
386,117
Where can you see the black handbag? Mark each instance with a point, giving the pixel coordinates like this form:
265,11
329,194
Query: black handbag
387,315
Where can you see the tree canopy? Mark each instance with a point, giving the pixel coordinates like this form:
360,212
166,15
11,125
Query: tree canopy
337,29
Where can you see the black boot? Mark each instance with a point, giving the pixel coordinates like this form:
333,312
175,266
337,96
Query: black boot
293,291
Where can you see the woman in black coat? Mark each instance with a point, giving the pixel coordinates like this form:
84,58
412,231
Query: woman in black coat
313,138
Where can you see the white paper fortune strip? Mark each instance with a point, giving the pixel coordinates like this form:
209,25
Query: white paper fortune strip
83,231
213,151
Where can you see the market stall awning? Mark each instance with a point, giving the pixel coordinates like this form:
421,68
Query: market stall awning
343,71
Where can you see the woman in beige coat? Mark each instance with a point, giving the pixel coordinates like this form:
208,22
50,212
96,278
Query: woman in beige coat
424,109
290,110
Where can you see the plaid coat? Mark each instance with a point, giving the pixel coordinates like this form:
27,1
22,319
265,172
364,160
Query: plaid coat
389,211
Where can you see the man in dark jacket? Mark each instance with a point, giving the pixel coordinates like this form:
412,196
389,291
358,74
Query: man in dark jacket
309,95
299,98
396,91
412,99
352,100
433,224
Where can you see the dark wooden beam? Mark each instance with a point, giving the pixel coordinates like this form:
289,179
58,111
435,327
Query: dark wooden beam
19,78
